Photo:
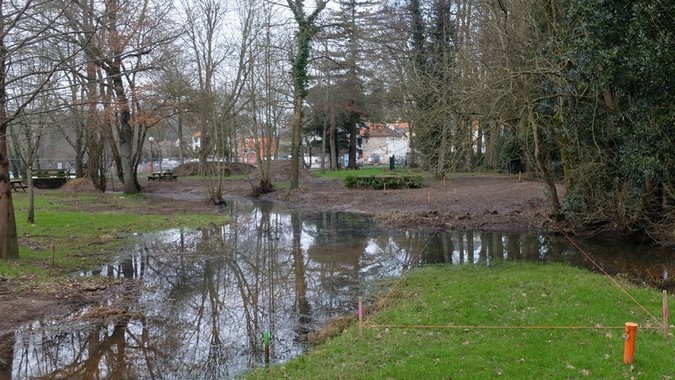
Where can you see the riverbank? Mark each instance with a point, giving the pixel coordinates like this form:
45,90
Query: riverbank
85,229
515,321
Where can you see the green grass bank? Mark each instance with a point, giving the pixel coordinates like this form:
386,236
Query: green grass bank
513,321
86,229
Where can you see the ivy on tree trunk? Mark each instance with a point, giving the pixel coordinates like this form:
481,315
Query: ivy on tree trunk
307,29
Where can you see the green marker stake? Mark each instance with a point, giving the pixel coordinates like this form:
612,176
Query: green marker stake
266,337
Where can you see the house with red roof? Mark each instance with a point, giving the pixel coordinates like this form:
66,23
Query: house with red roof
381,141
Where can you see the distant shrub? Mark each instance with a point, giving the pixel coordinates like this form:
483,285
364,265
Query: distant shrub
384,182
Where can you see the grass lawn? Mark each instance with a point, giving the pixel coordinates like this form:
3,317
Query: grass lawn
86,229
512,321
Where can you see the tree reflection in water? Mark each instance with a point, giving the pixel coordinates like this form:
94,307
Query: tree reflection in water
209,295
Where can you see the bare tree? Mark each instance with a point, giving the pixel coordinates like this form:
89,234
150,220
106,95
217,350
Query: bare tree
28,130
217,101
24,27
266,95
72,120
205,21
349,60
176,90
116,36
522,80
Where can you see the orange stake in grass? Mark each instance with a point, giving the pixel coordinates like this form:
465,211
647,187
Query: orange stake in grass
629,347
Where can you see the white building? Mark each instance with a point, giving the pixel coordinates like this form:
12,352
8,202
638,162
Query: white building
381,141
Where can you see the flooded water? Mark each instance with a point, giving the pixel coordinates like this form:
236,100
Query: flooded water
208,296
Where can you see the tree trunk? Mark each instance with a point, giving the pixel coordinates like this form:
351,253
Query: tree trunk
303,37
491,153
333,144
125,134
479,139
412,157
79,153
324,134
296,141
546,175
181,142
93,133
468,145
31,193
442,149
9,244
354,130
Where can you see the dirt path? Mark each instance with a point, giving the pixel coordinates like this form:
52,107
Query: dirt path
485,202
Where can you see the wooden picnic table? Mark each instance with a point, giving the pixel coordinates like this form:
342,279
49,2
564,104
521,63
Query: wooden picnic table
162,176
17,183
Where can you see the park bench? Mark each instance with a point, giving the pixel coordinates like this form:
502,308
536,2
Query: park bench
162,176
50,178
17,184
51,173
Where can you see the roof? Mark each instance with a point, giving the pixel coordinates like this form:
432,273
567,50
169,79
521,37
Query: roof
384,130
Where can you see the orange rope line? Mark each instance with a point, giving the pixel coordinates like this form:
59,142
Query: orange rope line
382,302
574,243
500,327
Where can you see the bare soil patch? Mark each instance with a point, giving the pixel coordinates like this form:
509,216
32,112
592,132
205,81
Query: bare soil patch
484,202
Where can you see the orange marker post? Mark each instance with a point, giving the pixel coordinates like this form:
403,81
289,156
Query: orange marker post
629,347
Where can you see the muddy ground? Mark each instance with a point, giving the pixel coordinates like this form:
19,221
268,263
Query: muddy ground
485,202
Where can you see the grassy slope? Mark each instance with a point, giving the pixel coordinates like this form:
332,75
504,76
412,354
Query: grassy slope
509,295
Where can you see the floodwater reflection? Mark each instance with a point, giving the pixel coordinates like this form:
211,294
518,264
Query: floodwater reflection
209,295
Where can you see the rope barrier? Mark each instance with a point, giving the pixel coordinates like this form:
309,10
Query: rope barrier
382,302
488,327
616,283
